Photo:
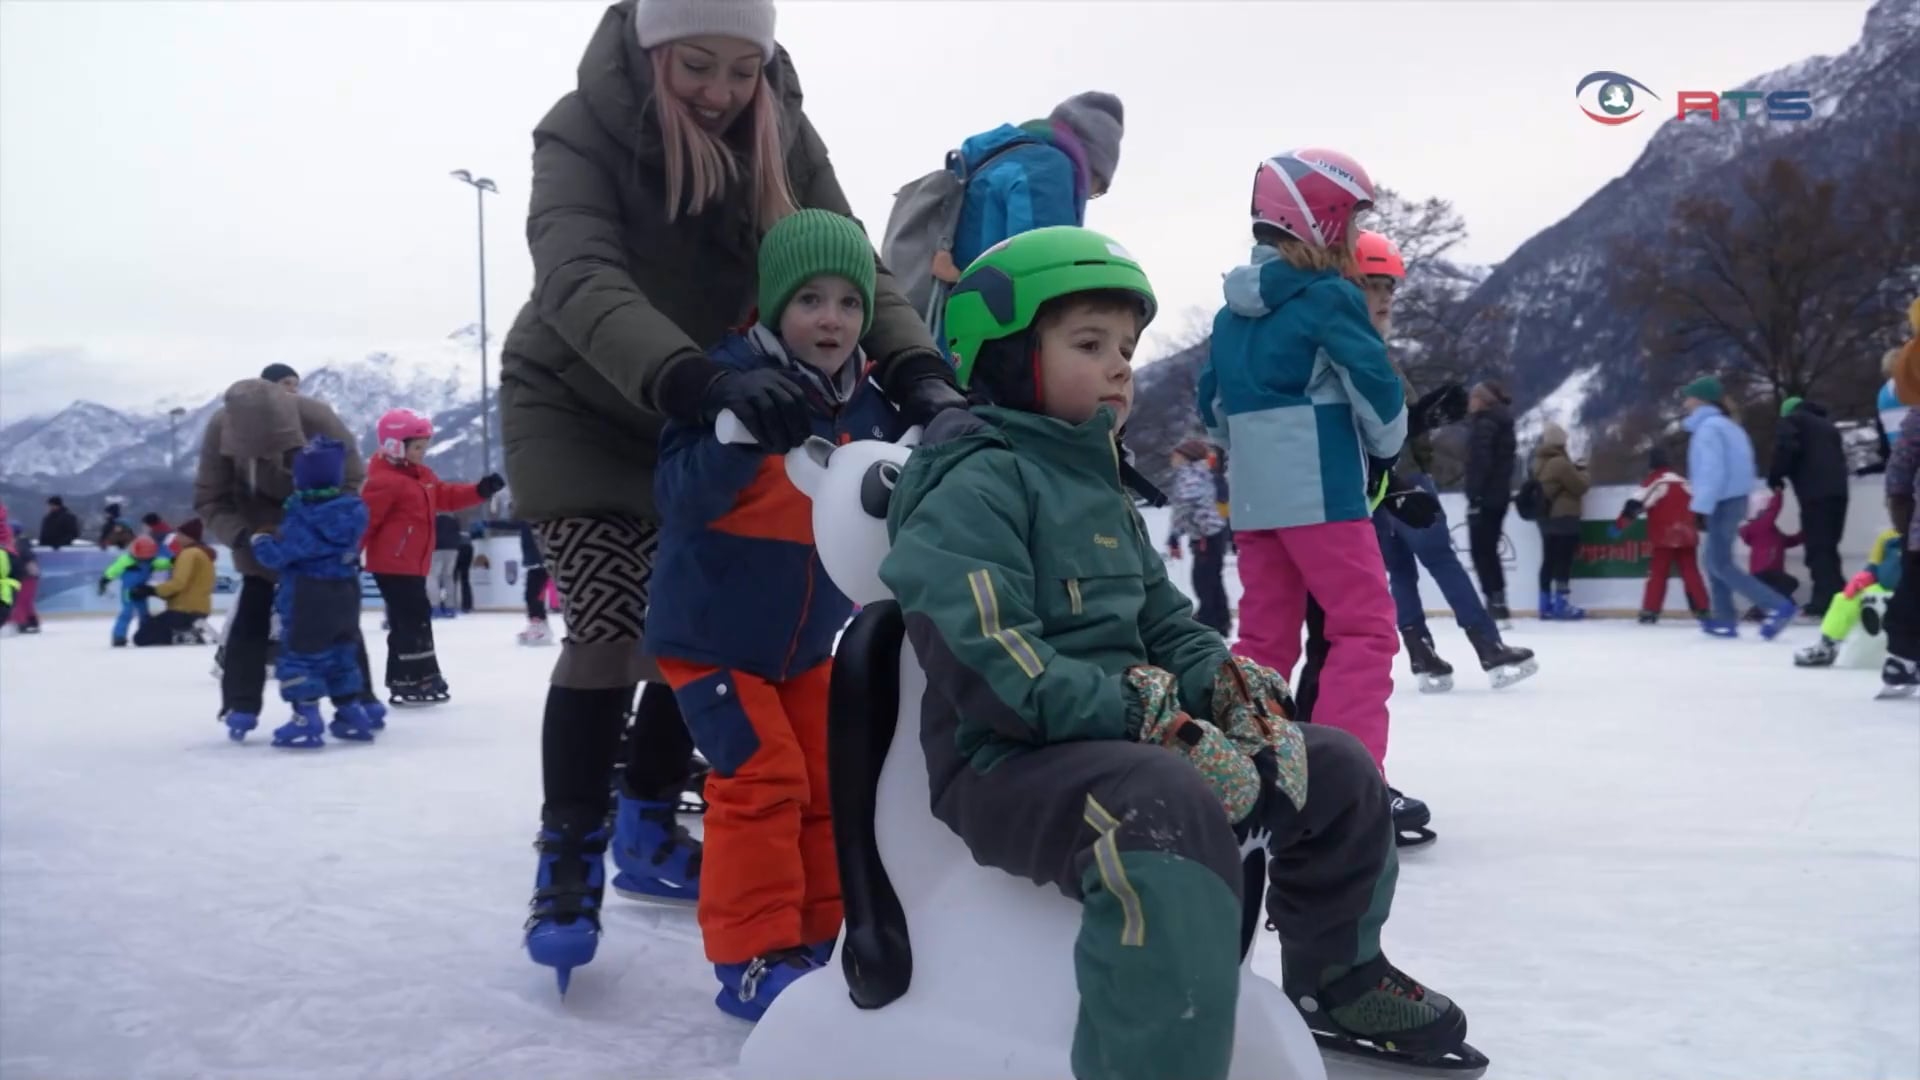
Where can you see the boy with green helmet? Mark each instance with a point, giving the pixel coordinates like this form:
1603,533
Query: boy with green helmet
1083,729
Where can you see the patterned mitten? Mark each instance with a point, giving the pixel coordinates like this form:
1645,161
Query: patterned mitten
1254,706
1154,716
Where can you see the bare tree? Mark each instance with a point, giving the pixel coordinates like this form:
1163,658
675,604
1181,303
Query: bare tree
1793,289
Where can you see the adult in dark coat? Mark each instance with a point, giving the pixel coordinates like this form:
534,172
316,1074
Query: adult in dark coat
1809,454
60,527
1489,486
653,181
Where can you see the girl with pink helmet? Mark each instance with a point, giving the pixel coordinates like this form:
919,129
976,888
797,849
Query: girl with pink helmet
1299,388
402,496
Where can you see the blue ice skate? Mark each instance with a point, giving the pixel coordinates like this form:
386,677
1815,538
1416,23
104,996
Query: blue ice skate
350,722
305,731
376,714
563,926
239,723
657,859
746,990
1778,620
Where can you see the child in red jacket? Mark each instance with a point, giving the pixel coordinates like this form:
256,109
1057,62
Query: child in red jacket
1665,497
402,496
1767,556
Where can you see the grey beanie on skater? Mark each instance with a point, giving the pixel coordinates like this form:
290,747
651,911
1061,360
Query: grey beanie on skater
1098,120
658,22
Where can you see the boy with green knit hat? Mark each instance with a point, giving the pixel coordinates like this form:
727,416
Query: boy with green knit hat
743,623
1082,729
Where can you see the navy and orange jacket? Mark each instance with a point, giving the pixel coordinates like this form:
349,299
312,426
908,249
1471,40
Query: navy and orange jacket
737,583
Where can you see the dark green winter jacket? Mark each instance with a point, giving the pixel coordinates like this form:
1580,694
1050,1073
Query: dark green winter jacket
1029,584
621,297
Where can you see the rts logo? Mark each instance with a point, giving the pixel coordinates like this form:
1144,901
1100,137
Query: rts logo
1616,102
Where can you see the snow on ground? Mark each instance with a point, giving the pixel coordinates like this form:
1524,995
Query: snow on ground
1665,856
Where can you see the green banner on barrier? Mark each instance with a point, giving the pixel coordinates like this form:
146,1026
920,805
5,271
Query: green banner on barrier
1602,556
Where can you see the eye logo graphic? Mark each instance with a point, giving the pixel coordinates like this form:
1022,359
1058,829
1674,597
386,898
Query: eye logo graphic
1615,97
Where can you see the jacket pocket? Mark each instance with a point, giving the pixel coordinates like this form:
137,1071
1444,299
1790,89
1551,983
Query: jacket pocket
405,539
326,612
1080,588
718,721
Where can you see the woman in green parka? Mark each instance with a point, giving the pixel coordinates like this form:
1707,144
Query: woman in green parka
653,181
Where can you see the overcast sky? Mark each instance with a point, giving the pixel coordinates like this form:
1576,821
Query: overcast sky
190,190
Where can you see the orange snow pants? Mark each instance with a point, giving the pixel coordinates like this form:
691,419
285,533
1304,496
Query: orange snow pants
768,879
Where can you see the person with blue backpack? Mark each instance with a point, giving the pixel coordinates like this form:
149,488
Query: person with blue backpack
1721,468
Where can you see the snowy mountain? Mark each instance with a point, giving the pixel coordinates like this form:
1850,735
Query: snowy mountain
89,449
1566,340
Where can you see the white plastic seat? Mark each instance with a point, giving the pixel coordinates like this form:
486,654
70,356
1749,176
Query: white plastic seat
970,974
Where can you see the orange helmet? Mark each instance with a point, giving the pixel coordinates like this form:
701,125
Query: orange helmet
143,547
1375,254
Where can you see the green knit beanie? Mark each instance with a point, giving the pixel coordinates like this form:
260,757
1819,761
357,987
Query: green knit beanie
805,245
1787,406
1706,388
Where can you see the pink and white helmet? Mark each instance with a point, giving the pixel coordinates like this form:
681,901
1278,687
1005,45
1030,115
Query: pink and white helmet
1311,195
396,427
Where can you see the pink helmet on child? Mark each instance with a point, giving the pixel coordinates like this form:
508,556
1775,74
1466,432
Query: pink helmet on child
396,427
1311,195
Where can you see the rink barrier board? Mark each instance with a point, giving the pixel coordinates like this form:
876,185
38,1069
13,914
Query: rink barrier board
1608,574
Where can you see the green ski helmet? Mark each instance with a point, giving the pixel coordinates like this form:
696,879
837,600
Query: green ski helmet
1001,291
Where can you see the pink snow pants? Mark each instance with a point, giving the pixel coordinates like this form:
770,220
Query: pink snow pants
1338,562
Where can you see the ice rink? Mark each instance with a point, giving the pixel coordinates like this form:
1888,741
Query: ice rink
1664,856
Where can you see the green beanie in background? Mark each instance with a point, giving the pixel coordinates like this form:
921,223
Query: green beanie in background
1792,403
806,244
1706,388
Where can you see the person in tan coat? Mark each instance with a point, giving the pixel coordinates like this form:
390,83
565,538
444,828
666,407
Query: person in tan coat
245,474
1564,483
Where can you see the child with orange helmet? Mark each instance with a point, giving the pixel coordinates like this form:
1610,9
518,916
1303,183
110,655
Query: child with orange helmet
134,568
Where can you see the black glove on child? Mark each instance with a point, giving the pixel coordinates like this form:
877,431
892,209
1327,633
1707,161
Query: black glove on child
1410,503
489,485
928,397
772,408
141,592
1438,408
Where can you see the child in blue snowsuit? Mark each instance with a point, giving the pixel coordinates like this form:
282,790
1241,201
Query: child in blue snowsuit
317,555
134,568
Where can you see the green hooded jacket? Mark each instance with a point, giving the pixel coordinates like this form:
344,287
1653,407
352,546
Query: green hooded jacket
1029,584
625,303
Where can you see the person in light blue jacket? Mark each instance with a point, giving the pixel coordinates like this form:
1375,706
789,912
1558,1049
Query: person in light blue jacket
1720,467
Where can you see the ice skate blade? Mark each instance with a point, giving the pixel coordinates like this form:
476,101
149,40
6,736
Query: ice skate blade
1504,677
1896,693
1436,684
1414,839
666,900
1466,1063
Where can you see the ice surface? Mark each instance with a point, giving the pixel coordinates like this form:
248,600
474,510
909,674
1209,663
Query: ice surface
1664,856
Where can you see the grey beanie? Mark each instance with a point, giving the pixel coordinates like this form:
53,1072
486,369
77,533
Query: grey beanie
657,22
1097,118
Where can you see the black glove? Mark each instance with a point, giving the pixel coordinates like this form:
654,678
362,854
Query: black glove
1439,407
103,586
927,397
1700,520
1411,504
141,592
488,485
771,407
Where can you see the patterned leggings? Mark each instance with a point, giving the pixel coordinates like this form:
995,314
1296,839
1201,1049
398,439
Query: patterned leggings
603,567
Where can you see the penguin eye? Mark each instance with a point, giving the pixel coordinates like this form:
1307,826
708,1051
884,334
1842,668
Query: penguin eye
876,488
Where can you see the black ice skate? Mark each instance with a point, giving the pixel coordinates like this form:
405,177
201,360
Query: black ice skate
1503,663
1649,618
1378,1016
1436,675
1898,679
1497,608
1410,818
431,690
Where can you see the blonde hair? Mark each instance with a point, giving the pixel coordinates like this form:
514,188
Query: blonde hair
700,166
1304,256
